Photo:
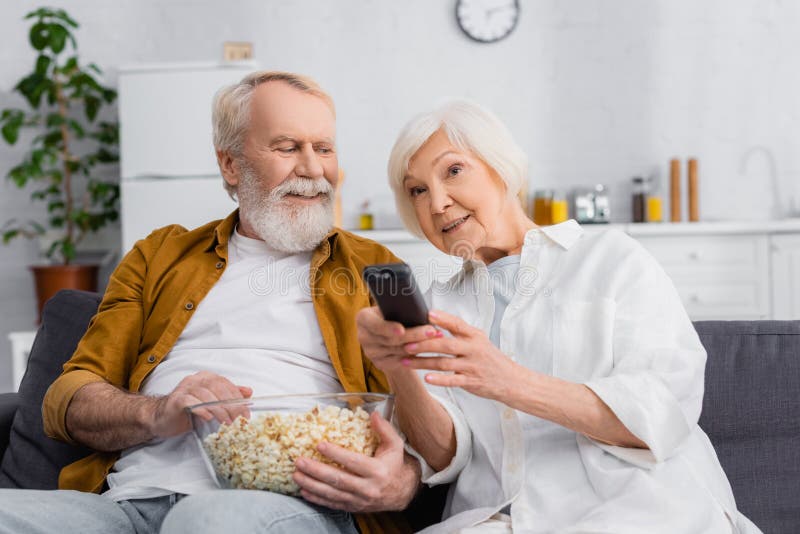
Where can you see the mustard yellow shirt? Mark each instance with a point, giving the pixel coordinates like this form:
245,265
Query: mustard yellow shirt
153,293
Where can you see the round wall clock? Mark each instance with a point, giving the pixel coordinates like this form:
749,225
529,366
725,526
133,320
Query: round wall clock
487,21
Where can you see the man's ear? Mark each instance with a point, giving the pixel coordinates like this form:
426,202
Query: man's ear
228,167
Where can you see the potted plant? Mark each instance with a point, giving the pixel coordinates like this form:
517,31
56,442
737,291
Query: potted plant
69,143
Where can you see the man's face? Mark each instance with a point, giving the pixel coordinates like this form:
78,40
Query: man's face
292,134
287,175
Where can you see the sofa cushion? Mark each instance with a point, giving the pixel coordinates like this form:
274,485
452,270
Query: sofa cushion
750,413
33,460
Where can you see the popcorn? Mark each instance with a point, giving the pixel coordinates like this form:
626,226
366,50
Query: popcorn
259,453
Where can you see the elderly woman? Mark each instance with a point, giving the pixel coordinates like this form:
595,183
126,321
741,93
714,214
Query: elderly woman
567,379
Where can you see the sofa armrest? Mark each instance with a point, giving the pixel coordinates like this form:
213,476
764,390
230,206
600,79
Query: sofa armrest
8,407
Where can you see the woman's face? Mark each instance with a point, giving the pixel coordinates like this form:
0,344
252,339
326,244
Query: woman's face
458,199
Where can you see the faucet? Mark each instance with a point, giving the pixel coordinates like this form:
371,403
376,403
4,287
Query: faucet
777,208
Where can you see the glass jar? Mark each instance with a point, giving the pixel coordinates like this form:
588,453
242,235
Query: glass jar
558,208
542,202
655,206
365,221
639,196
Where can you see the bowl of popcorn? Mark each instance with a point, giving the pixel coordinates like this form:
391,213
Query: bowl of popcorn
253,443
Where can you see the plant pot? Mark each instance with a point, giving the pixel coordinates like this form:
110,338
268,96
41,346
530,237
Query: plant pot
50,279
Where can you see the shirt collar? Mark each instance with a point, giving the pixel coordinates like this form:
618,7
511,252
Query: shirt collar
564,234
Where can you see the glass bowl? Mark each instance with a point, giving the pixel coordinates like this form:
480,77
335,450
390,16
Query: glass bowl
264,436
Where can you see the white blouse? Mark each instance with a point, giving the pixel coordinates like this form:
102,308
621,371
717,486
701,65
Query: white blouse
598,310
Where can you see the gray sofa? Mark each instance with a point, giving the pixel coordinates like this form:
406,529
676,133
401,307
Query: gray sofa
751,412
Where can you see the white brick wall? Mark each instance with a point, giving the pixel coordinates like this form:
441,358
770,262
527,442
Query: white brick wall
594,91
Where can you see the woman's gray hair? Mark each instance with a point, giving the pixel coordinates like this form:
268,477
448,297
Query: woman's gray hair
230,114
469,127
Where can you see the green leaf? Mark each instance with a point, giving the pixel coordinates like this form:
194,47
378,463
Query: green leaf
106,156
77,128
10,132
19,175
109,95
31,88
9,235
41,12
95,68
42,64
39,35
55,205
54,120
62,15
58,37
53,139
92,105
73,166
67,250
69,66
108,133
52,250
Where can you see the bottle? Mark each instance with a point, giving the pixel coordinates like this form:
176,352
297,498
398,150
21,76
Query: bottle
542,201
638,199
694,204
675,190
558,208
365,218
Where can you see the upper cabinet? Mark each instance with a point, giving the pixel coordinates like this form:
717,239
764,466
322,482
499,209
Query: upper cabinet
165,117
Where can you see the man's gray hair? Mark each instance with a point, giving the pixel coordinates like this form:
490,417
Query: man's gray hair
469,127
230,114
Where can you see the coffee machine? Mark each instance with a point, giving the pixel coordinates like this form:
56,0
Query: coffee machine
591,206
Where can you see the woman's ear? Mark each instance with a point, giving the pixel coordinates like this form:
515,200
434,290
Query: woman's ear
228,167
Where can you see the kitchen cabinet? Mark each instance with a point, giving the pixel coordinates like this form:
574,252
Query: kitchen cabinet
785,252
722,270
717,276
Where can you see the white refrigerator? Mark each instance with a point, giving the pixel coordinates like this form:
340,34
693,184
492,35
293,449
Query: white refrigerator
169,172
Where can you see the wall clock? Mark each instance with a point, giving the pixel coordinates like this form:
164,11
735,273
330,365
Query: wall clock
487,21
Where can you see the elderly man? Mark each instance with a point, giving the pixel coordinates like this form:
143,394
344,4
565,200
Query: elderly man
192,316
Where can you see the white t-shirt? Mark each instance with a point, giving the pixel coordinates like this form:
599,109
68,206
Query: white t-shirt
257,327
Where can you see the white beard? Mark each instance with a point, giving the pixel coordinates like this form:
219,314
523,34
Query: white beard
282,224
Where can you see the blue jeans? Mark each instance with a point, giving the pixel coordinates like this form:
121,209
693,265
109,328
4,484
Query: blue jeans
225,511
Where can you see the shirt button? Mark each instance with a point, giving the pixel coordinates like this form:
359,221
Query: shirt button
220,264
189,306
151,358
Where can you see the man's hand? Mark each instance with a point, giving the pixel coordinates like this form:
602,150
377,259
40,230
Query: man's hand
169,418
106,418
387,481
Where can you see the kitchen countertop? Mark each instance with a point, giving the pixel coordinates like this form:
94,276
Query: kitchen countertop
779,226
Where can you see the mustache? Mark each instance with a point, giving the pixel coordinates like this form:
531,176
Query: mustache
302,186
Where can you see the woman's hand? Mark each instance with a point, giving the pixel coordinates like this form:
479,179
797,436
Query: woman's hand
384,341
478,366
426,424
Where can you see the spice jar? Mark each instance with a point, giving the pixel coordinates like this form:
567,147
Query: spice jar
558,208
365,217
639,199
655,212
542,202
